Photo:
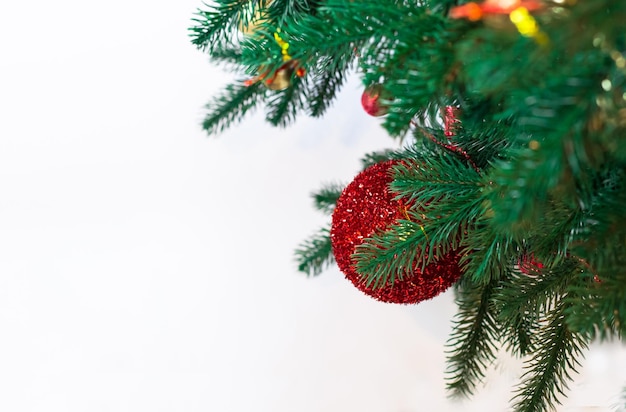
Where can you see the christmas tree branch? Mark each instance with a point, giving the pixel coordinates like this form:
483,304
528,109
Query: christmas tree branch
554,244
452,148
325,84
213,26
472,343
488,254
597,304
385,257
381,52
597,301
404,57
230,57
484,138
549,370
326,198
373,158
283,106
232,105
437,176
445,196
524,294
315,254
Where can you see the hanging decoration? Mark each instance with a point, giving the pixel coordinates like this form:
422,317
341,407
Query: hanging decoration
367,206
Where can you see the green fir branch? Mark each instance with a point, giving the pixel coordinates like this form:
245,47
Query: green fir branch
519,333
283,11
399,59
445,196
526,293
602,226
536,291
519,192
327,76
392,254
551,242
229,57
597,301
472,343
232,105
386,256
372,158
439,176
488,254
315,254
326,198
374,40
552,364
597,304
283,106
324,88
309,44
484,138
213,26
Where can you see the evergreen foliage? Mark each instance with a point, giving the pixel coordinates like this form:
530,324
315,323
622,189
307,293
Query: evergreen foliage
315,254
529,189
327,197
472,343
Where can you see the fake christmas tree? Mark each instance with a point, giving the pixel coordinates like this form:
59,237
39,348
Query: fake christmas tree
511,183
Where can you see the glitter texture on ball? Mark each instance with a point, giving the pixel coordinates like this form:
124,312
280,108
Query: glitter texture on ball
367,205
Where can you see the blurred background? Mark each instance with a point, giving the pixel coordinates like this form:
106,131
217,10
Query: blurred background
147,267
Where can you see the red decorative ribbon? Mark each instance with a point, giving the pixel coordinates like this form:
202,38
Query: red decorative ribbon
450,122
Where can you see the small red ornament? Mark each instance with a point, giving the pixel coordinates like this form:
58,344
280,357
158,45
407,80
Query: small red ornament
528,265
367,205
370,100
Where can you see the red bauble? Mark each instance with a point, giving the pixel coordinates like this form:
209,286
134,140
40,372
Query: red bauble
370,100
528,265
366,205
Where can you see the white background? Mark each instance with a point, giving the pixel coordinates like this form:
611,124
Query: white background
147,267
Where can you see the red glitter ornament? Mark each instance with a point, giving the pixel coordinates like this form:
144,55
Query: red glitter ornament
366,205
370,100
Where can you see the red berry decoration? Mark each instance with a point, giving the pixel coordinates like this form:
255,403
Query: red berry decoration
370,100
366,205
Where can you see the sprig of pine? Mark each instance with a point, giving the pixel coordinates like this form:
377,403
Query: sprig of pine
326,198
315,254
552,364
472,343
232,105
